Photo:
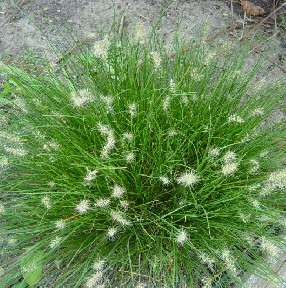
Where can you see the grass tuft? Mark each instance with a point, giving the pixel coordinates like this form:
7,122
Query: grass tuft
129,167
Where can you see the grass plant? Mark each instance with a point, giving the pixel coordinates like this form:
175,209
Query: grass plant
127,167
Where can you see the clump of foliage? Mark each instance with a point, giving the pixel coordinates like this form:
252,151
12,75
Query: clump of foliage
131,167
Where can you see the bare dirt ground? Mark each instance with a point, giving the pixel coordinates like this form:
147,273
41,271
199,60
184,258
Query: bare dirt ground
26,26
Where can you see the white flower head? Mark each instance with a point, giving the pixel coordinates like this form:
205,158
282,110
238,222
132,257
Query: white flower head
229,168
12,241
172,86
20,152
235,118
257,112
207,281
51,184
93,280
129,157
196,74
117,191
119,217
112,231
254,166
82,206
60,224
165,180
277,180
140,33
2,209
181,237
132,108
124,204
102,202
100,48
4,163
229,157
55,242
90,175
185,99
46,201
188,178
206,259
81,97
156,59
269,247
108,103
254,202
166,103
98,265
214,152
110,141
127,136
172,132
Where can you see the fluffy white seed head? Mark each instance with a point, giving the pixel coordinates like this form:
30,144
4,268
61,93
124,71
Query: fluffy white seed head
107,102
196,74
90,175
127,136
93,280
214,152
254,166
60,224
172,132
102,202
140,33
277,179
257,112
269,247
235,118
98,265
111,232
172,86
117,191
165,180
119,217
52,184
229,169
4,163
188,179
81,97
20,152
82,206
229,157
156,59
2,209
110,141
129,157
124,204
132,108
11,137
181,237
206,259
100,48
166,103
46,201
55,242
185,99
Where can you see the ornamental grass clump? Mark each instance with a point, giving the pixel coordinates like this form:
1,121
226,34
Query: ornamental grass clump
128,167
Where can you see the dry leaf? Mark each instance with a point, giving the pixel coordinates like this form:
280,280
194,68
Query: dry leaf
252,9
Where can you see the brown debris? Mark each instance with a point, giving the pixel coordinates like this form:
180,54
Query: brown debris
252,9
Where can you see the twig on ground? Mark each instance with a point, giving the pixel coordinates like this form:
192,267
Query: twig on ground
269,59
259,24
14,13
21,64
